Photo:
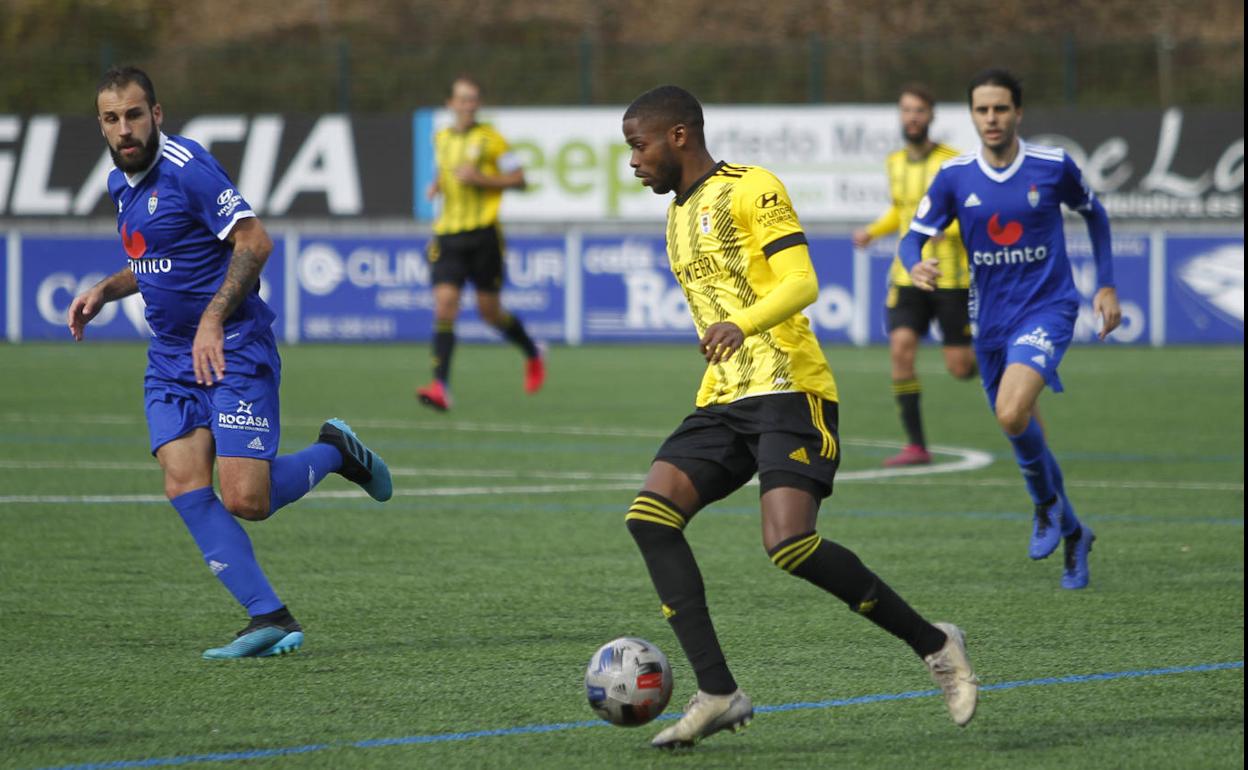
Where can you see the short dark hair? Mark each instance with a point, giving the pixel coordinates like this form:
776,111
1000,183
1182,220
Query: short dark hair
997,77
672,104
920,91
119,77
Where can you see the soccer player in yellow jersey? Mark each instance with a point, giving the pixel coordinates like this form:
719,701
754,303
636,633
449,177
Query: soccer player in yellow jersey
767,405
911,310
474,167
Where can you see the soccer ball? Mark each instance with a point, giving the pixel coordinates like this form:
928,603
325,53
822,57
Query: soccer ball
628,681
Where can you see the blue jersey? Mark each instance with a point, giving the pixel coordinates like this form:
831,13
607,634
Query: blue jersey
174,219
1011,223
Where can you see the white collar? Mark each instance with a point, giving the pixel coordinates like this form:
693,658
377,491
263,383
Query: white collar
1007,172
134,179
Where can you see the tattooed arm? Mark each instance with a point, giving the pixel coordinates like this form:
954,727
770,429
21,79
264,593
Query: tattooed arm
251,249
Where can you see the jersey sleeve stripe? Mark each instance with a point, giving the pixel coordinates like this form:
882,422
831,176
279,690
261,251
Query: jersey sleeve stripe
784,242
174,159
177,149
225,231
930,232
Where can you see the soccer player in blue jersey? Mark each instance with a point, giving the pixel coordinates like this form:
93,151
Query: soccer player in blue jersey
1008,200
195,250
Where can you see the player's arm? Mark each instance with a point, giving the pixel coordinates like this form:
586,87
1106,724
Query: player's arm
761,205
510,174
933,215
1076,193
798,287
88,304
252,247
888,222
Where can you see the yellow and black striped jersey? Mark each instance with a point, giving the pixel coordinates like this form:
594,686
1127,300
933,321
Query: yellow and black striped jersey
464,206
907,183
721,235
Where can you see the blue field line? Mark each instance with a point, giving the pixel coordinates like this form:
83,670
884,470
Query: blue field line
236,756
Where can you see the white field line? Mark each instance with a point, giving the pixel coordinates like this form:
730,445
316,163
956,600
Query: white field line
603,482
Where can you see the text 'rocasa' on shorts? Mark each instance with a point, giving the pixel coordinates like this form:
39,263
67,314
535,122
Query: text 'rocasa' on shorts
241,410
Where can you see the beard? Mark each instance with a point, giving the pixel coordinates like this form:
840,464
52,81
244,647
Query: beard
666,177
915,136
141,160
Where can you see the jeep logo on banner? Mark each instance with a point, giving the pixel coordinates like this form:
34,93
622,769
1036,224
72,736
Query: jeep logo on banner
327,165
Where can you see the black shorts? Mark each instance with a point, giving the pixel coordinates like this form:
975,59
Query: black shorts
789,439
474,255
912,308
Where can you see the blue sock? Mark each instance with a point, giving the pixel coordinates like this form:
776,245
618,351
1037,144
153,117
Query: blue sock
293,476
227,550
1070,522
1033,456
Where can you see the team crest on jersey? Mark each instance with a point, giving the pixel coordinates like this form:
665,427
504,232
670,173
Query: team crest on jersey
151,203
704,220
1033,196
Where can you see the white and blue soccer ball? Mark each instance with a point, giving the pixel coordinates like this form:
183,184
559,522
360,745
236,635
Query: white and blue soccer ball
628,681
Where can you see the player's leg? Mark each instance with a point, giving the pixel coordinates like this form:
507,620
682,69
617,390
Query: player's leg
1016,397
226,548
255,481
487,275
687,473
908,318
448,271
955,330
791,492
1077,537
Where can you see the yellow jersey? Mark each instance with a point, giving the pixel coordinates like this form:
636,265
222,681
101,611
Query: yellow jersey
722,235
907,183
464,206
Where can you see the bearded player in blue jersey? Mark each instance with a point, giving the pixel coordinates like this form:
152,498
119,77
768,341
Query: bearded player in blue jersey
1008,200
195,250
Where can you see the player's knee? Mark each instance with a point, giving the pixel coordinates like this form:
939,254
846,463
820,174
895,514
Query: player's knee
1013,419
245,506
494,316
962,369
789,553
653,518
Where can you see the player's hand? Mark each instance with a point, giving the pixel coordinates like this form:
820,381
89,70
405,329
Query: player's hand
208,351
84,307
431,191
925,273
861,238
468,174
721,341
1105,305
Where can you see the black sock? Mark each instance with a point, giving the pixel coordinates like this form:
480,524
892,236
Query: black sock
907,394
840,572
513,330
443,345
658,527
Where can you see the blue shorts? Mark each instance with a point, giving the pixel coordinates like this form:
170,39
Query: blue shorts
1040,341
241,410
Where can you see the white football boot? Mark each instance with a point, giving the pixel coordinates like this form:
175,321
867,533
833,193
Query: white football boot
706,715
951,668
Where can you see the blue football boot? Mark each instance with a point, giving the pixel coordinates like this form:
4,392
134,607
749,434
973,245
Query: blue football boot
1046,529
359,463
262,638
1075,573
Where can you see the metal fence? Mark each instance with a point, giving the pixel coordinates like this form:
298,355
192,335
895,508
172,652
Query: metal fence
366,76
